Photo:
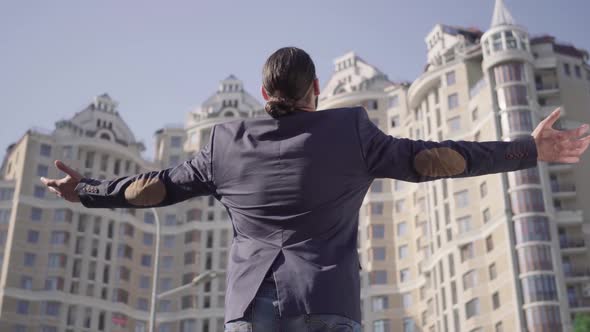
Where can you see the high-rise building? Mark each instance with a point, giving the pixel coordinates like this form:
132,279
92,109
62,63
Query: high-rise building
501,252
68,268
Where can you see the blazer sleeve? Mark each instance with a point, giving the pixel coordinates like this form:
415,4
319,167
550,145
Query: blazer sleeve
418,161
152,189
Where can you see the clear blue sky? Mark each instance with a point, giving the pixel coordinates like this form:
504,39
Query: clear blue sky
159,59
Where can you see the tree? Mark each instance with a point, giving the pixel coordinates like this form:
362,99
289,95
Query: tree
582,323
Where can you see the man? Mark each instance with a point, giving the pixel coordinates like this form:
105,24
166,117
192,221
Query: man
293,184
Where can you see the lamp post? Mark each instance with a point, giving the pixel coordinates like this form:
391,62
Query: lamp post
156,276
203,277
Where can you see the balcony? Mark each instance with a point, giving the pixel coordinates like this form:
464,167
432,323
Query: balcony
576,273
569,216
563,189
579,302
570,242
544,89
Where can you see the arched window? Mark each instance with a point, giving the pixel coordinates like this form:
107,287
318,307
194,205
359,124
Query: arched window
105,136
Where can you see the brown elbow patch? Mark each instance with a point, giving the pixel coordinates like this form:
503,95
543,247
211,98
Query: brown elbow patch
439,162
145,192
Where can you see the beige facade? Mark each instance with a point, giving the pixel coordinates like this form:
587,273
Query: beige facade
502,252
68,268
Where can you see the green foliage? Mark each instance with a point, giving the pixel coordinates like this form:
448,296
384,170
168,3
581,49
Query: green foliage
582,323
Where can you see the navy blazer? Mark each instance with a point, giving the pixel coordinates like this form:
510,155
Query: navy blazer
293,187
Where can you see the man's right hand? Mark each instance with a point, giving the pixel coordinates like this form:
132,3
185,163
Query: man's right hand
64,187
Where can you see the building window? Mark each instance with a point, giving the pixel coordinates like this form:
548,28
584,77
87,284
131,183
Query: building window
395,121
454,124
142,304
566,69
377,208
148,239
402,251
39,192
51,308
36,214
378,277
489,243
33,236
400,205
382,325
492,271
450,78
379,303
404,275
148,218
470,279
370,105
462,199
144,282
22,307
486,214
167,262
472,308
42,170
393,101
402,229
474,114
578,71
377,231
483,189
407,325
176,141
146,260
539,288
464,224
453,101
496,300
26,282
406,300
45,150
467,252
29,259
377,186
534,258
530,200
378,254
499,327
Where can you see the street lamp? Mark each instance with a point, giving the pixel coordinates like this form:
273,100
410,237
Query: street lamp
156,274
203,277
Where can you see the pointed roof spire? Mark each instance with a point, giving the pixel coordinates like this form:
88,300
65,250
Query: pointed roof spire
502,15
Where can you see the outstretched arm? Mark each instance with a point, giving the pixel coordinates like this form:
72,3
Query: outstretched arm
418,161
151,189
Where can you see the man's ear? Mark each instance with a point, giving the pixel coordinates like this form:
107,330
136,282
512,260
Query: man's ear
316,87
264,94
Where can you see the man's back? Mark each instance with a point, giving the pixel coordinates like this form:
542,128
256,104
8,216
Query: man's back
293,187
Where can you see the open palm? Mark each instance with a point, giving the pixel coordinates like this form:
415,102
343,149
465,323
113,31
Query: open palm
64,187
563,146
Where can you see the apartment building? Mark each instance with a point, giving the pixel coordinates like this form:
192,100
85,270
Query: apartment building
501,252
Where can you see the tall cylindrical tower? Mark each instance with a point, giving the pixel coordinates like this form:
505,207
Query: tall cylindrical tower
508,63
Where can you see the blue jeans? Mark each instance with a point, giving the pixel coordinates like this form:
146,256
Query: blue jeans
263,316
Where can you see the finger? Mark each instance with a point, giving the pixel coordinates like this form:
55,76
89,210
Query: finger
49,182
575,133
550,120
55,191
66,169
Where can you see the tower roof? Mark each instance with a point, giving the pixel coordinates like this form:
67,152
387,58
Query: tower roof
502,15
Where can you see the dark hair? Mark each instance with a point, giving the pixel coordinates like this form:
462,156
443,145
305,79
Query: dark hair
287,76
